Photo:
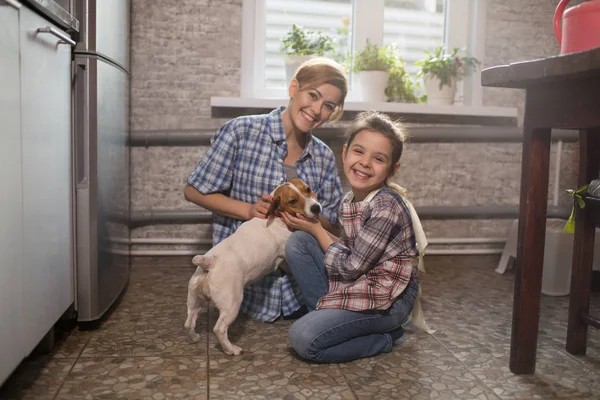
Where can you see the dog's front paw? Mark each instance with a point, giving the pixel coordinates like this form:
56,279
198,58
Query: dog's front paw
193,337
233,351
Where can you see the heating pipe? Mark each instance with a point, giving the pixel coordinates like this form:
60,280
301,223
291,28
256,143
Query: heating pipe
191,252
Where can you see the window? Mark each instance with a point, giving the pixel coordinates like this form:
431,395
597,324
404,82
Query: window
330,17
412,25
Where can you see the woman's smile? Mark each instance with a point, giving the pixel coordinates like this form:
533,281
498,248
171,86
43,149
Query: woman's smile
308,117
311,107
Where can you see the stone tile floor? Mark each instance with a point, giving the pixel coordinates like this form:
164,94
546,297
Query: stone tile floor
140,351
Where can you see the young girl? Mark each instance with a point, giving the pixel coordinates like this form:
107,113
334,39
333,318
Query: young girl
252,155
359,288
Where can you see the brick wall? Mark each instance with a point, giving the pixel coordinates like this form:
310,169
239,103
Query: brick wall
183,52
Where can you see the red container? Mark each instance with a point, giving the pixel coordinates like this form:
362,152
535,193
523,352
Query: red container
580,27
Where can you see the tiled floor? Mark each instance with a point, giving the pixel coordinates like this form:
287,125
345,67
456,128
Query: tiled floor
140,350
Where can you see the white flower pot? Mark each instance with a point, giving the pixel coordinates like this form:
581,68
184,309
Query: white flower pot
437,96
292,63
372,85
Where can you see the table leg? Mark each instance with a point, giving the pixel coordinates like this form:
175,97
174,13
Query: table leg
530,248
583,248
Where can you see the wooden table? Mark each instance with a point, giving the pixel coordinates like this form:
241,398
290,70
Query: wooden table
561,92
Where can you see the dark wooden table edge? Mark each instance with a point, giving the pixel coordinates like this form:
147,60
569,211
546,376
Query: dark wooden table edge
523,74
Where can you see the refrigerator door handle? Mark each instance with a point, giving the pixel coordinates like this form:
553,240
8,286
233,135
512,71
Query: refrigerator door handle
63,37
13,3
82,129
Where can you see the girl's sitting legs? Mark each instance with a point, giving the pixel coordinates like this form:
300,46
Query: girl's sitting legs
335,335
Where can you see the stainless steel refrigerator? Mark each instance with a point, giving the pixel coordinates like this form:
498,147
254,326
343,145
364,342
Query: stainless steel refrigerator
101,154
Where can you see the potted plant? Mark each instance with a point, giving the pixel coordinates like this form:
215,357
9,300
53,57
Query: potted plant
300,45
440,72
372,65
401,88
343,40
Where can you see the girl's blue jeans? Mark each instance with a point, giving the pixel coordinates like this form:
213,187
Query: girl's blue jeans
337,335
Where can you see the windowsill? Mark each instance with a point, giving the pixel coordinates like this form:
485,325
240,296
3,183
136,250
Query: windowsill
231,107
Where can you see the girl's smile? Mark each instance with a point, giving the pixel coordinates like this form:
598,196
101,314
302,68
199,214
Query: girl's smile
361,175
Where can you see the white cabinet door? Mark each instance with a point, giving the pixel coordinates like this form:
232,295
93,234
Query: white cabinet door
11,212
46,141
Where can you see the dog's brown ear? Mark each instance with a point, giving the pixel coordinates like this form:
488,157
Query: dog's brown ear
274,206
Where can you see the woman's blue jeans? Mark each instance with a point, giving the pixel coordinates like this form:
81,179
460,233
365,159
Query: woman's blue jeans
337,335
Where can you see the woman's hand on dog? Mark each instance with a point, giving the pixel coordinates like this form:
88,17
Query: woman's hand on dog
260,208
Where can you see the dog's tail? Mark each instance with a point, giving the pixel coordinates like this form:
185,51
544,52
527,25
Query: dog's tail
205,262
197,282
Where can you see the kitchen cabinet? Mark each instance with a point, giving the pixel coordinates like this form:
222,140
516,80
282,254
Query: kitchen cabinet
46,141
36,253
11,210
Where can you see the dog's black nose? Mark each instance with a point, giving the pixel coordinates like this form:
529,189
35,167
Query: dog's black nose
315,208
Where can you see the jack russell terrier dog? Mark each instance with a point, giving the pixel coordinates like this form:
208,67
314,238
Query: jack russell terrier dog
256,248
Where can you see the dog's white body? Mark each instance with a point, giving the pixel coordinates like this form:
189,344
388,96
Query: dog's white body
256,248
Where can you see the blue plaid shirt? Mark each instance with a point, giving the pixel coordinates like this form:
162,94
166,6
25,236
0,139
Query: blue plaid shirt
245,160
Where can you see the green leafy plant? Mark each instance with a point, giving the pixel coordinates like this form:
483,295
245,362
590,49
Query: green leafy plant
446,66
304,42
373,58
401,88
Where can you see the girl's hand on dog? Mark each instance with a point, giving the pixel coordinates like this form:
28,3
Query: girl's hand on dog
296,221
260,208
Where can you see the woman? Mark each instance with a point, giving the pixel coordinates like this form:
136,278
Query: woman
250,156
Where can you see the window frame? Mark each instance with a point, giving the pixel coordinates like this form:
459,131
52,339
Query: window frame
367,23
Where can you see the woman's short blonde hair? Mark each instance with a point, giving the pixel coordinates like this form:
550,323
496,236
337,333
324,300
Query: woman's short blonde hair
322,70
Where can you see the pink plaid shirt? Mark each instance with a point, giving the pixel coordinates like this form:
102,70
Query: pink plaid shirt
372,265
